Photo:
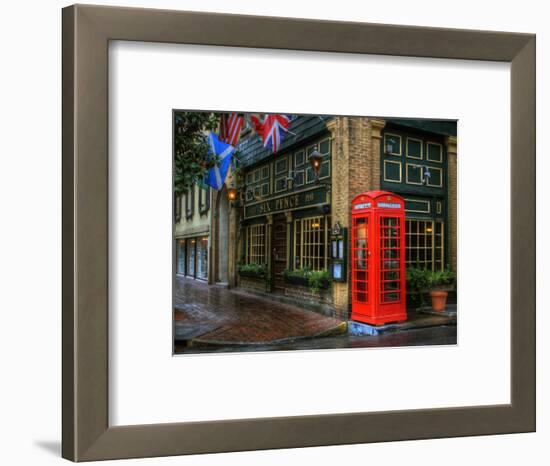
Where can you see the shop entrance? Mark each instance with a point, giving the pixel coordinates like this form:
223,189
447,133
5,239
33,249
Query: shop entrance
278,252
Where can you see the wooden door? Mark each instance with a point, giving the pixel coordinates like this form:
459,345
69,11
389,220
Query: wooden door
279,251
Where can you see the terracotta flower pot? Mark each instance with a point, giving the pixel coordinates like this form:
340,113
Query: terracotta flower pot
439,300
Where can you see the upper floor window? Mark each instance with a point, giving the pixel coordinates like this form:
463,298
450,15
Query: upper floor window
412,160
190,202
204,199
288,171
177,207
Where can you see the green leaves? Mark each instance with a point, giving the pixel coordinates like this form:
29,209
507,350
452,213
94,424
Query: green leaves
317,280
252,270
420,279
191,148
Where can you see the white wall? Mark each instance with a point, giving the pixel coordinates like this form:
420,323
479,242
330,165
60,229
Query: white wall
198,224
30,193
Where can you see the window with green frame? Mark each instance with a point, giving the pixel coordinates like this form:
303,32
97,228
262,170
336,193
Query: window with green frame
323,146
407,158
258,182
255,244
311,242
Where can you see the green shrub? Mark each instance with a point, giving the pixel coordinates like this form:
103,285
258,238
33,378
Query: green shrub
317,280
441,278
298,273
256,270
417,279
421,280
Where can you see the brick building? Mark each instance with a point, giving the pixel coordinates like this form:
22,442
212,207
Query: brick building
285,214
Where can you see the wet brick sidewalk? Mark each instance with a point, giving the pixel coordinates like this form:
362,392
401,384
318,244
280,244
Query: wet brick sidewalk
212,315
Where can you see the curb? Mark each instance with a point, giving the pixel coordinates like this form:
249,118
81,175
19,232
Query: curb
360,328
341,328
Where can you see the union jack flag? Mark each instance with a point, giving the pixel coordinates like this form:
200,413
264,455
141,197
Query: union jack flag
272,129
230,128
255,122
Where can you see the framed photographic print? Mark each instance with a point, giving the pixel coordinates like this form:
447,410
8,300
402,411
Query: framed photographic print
254,271
251,265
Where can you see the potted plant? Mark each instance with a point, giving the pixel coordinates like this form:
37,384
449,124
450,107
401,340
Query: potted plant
439,284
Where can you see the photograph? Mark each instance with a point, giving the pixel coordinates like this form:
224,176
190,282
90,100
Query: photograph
306,232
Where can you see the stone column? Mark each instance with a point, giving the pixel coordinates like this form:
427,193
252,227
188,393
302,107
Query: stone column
376,153
289,240
339,129
213,243
268,234
233,246
451,143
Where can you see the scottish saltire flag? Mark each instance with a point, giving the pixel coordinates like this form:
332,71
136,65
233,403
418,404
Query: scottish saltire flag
274,128
216,175
230,128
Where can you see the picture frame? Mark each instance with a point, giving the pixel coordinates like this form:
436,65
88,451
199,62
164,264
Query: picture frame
86,434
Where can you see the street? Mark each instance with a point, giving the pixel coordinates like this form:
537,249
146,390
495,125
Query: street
212,319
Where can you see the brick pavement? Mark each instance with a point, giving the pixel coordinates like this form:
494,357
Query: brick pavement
212,315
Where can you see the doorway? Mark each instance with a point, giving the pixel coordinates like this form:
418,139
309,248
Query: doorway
279,252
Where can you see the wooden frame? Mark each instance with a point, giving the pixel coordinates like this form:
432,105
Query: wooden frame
86,432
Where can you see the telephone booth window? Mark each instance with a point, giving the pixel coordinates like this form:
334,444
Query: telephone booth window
390,252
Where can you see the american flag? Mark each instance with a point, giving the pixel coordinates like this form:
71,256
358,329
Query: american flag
230,128
272,129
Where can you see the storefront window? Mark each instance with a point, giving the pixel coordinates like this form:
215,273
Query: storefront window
424,240
180,256
310,239
191,257
255,244
202,257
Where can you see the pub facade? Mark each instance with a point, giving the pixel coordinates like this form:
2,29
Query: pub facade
287,214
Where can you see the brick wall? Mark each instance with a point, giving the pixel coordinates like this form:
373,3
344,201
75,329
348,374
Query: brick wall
305,293
355,169
451,144
291,291
253,284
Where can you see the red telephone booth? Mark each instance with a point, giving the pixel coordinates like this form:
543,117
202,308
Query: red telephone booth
378,258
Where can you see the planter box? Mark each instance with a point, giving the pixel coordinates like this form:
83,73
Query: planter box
258,276
303,281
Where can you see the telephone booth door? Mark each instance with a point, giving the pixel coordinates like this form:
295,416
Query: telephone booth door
378,258
360,279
